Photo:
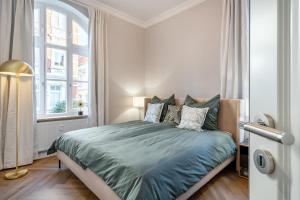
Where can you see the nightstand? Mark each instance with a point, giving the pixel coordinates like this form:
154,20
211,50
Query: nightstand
243,157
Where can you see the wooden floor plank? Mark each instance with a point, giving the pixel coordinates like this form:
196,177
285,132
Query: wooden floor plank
46,182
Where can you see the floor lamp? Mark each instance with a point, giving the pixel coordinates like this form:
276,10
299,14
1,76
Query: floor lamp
17,69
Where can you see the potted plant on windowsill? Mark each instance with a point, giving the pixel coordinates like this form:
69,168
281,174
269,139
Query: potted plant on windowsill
80,105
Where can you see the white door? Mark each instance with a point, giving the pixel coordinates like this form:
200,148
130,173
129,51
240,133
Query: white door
275,90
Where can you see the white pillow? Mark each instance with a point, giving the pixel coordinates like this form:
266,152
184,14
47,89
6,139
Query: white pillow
154,112
192,118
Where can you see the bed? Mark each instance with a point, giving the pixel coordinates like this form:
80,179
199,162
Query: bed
141,160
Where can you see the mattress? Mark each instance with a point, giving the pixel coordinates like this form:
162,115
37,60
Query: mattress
141,160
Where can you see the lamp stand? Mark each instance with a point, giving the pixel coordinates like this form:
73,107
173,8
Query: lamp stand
17,173
140,114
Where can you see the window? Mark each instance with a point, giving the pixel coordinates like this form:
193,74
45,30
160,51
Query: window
60,59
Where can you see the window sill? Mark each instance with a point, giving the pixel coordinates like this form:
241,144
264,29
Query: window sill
62,118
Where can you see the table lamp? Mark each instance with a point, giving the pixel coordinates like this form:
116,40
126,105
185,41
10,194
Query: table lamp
17,69
138,102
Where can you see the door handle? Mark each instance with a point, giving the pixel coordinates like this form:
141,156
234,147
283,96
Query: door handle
269,133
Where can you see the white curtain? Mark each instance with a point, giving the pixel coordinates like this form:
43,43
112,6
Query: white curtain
235,51
16,43
98,70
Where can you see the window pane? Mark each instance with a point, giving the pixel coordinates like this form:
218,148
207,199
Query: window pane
55,41
80,94
56,64
56,97
36,22
80,36
37,61
38,95
80,68
56,27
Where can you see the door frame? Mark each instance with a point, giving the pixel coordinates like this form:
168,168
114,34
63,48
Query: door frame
284,91
294,99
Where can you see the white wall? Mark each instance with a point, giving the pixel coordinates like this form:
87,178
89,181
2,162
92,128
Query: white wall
182,53
126,69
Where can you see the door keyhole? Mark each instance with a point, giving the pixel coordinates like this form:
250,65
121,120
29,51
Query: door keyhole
261,161
264,161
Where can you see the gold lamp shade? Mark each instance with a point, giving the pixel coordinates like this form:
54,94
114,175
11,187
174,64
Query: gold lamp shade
16,68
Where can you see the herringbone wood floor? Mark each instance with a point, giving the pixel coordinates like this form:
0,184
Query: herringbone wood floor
46,182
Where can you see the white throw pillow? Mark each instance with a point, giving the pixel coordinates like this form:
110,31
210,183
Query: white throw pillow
192,118
154,112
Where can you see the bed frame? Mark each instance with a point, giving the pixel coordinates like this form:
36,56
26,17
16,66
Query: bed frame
229,115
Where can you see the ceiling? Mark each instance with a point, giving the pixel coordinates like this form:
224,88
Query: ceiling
143,10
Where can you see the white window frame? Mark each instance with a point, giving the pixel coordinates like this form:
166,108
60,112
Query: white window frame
70,48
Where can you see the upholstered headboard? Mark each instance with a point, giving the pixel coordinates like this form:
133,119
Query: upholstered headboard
229,115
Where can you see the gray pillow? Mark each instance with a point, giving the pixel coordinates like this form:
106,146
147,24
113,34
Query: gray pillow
192,118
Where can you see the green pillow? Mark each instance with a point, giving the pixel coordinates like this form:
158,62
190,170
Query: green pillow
173,114
211,120
167,102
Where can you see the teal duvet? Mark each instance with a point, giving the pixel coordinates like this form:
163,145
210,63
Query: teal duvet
141,160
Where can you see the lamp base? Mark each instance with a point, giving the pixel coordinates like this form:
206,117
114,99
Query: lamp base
16,174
